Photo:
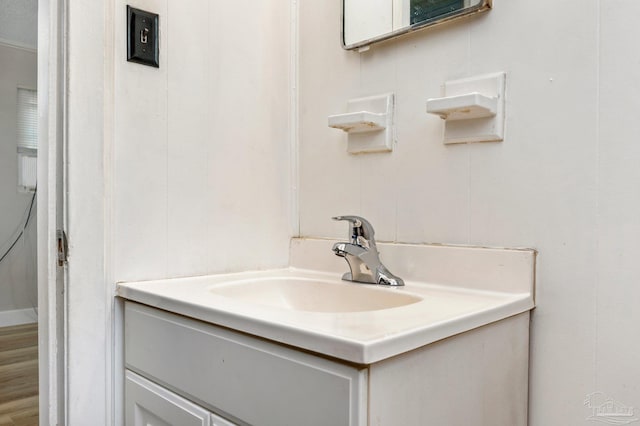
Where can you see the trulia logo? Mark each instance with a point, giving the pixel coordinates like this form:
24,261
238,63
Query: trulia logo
608,410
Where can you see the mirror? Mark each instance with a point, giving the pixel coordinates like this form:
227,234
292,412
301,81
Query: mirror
369,21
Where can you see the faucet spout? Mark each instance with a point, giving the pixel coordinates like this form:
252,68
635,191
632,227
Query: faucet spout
362,255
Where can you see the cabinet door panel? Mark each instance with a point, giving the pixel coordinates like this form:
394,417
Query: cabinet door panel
148,404
250,379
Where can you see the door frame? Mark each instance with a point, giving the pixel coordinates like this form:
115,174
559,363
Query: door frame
50,212
81,356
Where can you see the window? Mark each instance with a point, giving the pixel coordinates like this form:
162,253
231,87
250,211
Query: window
27,139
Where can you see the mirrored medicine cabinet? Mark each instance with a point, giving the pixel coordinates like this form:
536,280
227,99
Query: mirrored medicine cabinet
369,21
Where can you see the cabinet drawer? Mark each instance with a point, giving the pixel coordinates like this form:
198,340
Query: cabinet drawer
242,377
147,404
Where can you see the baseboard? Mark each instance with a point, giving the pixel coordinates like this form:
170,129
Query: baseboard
17,317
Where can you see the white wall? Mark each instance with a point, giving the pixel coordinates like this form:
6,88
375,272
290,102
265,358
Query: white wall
564,181
181,170
18,68
201,150
18,23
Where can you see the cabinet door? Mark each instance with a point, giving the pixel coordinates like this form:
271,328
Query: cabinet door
148,404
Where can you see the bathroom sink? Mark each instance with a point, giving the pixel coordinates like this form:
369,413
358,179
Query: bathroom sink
447,291
314,295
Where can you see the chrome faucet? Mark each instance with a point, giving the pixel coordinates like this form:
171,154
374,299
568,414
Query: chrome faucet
362,255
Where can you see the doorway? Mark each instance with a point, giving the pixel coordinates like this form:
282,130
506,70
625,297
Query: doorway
18,210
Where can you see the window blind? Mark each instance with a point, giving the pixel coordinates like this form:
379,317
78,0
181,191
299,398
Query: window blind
27,118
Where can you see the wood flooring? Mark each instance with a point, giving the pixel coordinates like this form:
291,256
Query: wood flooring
19,375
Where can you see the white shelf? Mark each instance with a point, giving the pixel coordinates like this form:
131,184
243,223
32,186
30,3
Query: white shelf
463,107
368,123
473,109
358,122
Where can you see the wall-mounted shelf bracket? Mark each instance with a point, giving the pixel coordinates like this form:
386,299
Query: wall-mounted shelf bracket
368,123
473,109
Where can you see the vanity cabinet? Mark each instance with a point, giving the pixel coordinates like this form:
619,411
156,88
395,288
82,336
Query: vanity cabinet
478,377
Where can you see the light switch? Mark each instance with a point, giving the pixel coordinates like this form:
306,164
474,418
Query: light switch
142,37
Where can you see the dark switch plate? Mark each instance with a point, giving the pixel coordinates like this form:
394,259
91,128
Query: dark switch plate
142,37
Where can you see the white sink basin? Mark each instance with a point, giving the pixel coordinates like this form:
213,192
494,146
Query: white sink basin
313,295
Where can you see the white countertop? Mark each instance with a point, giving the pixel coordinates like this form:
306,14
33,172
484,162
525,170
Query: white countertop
359,337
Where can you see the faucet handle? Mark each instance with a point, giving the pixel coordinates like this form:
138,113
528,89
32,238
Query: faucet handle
359,229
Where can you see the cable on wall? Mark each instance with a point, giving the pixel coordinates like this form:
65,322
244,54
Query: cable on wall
24,227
